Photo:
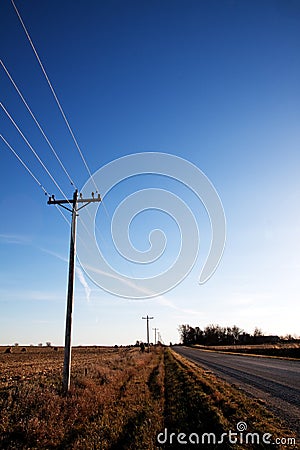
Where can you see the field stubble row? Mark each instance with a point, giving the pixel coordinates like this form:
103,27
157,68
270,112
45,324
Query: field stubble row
107,405
119,399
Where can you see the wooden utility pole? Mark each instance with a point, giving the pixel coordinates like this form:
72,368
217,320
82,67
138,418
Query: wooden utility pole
70,296
155,329
148,318
159,337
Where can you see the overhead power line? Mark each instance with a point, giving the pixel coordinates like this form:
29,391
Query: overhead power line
37,123
32,149
24,165
31,174
59,105
55,96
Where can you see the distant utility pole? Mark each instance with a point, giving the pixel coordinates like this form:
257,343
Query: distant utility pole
159,337
155,329
148,318
70,296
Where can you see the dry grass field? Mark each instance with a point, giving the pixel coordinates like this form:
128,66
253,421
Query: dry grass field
112,392
283,350
119,399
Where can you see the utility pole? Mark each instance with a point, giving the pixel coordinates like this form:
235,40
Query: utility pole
148,318
155,329
159,337
70,296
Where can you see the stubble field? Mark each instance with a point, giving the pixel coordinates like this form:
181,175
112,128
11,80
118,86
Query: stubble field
119,399
281,350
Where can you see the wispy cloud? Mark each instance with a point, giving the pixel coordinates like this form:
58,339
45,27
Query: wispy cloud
10,238
78,271
56,255
167,302
30,295
84,283
161,299
244,299
127,281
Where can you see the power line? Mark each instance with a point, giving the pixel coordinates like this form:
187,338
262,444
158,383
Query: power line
59,106
24,165
47,140
31,174
62,214
37,123
55,96
32,149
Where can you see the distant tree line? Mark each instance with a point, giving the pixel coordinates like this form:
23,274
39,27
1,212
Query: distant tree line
217,335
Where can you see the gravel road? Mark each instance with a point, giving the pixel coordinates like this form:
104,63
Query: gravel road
276,381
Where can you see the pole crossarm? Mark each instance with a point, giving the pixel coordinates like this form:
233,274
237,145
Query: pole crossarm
86,201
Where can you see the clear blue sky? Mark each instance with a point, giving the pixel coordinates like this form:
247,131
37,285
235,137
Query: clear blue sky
214,82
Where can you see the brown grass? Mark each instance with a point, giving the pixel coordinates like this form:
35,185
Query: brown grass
217,406
116,400
283,350
119,399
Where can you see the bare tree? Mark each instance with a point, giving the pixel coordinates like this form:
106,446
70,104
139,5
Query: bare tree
257,332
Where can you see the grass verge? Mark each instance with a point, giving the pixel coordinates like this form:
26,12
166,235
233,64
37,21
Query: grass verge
198,402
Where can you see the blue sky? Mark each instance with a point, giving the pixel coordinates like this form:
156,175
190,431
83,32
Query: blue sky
214,82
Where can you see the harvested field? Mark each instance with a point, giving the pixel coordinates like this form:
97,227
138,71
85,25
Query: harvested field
120,399
113,399
278,350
